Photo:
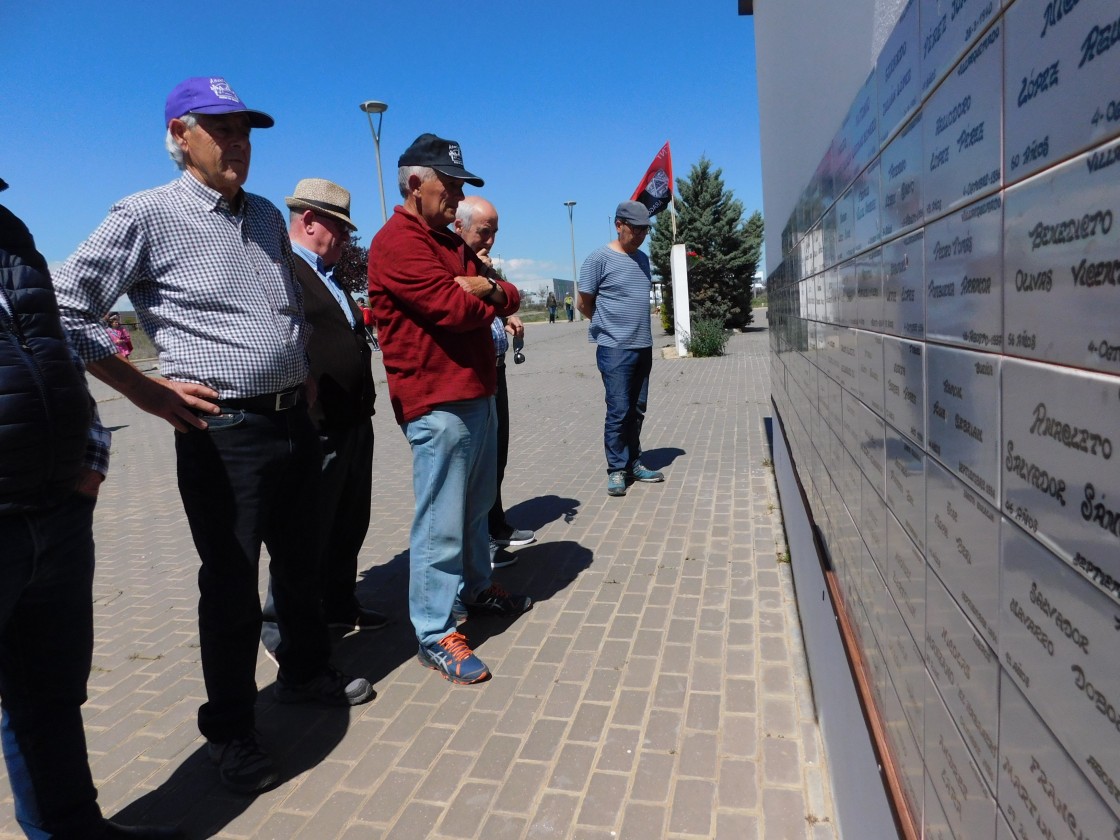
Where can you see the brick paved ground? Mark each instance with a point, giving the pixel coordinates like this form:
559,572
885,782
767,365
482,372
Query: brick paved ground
658,689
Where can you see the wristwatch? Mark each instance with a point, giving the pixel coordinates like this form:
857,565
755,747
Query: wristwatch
493,288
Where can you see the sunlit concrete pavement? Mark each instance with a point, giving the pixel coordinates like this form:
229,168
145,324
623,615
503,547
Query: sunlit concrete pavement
658,688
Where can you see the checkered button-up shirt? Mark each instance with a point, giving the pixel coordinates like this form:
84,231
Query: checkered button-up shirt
215,289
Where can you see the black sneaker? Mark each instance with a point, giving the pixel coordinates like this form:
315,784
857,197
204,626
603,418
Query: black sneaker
330,687
360,619
496,601
500,558
243,767
513,536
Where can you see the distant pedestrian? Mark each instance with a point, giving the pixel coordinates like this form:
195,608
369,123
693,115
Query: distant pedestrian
119,334
614,287
551,304
568,306
199,257
367,322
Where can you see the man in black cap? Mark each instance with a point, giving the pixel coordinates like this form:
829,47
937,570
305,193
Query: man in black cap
319,225
614,287
54,454
197,257
434,301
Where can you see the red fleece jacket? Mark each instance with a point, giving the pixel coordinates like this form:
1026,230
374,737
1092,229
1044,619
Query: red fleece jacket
435,337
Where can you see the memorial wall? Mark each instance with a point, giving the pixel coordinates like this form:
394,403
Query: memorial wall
945,368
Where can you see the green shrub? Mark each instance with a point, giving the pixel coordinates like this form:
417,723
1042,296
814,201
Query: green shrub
708,337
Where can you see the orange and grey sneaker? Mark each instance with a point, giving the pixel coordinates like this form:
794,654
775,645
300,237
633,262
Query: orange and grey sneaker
454,660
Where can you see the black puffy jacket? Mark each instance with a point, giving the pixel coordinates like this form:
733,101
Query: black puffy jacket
44,401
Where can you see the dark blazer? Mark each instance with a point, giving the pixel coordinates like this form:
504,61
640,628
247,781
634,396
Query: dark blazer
340,356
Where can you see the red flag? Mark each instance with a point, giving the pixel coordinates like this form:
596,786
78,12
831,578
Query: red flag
656,189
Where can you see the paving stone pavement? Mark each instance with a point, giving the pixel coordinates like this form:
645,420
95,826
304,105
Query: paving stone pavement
657,689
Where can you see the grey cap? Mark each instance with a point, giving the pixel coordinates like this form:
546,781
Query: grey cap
634,213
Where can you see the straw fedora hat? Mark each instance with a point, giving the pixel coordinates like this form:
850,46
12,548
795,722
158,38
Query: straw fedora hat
322,196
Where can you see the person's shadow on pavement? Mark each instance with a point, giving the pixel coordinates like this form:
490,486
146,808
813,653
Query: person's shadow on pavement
298,737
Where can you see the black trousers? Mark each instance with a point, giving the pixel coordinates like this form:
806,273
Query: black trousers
497,518
251,478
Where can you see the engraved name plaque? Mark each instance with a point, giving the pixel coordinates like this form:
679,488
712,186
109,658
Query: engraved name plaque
962,415
900,172
1062,264
904,293
1060,97
1060,453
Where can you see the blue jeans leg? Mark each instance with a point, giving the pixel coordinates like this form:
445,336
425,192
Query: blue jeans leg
454,461
46,644
625,375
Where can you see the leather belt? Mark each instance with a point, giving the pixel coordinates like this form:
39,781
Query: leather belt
265,403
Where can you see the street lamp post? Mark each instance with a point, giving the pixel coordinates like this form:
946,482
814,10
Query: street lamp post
371,107
572,228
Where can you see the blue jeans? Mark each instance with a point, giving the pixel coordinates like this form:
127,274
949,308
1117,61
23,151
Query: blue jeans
454,457
46,645
626,382
251,478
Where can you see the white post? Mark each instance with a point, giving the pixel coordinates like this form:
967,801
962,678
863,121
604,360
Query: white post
682,322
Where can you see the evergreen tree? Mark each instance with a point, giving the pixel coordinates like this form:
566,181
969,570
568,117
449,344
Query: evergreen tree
726,249
351,270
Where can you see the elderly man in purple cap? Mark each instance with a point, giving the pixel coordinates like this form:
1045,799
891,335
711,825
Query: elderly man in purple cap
434,301
200,258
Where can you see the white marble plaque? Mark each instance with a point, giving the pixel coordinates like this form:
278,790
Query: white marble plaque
847,299
852,409
873,523
962,547
863,127
961,130
906,484
962,415
963,259
906,576
906,750
1042,792
1061,463
900,171
1062,264
966,672
867,230
904,661
904,375
869,349
849,363
935,825
1058,636
845,221
946,29
831,313
869,290
1060,92
904,293
962,792
871,458
897,73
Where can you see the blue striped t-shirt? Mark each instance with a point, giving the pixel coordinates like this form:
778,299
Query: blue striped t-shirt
621,284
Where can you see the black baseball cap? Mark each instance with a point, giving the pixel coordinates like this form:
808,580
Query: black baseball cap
444,156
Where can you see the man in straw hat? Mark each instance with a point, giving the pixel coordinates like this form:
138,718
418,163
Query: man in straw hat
319,225
197,257
434,300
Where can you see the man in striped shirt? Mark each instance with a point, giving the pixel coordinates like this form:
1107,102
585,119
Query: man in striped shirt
614,286
200,258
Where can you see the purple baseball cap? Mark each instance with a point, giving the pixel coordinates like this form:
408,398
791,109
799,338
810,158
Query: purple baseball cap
210,95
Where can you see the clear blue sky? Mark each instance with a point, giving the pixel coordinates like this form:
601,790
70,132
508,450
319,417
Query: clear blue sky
549,101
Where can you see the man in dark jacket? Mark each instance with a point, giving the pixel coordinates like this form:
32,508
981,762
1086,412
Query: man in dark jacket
53,457
319,225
